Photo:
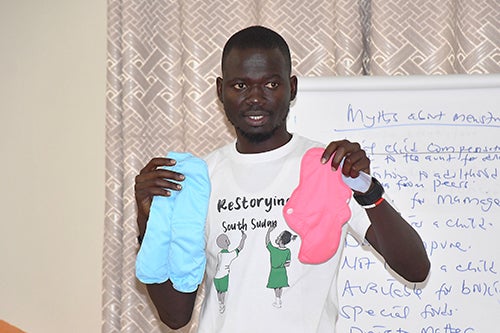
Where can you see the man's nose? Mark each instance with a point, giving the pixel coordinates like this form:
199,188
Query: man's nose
255,95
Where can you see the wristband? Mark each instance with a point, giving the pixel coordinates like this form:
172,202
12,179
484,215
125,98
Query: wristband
373,195
375,204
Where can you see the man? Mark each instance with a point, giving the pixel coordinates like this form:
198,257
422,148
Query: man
251,180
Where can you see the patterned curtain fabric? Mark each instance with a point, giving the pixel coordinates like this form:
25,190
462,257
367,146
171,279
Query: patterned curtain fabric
164,56
434,37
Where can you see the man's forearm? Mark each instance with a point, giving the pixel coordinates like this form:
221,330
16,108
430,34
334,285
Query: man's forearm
398,243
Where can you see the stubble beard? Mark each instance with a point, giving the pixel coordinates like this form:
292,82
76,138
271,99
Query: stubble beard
257,137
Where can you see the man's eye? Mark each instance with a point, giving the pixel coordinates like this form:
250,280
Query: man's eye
239,86
272,85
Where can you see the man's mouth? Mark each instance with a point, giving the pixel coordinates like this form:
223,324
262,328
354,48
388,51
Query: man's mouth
256,120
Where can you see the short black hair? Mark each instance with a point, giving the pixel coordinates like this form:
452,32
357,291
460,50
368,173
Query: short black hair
257,37
286,237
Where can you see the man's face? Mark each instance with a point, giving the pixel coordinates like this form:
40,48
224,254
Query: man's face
256,91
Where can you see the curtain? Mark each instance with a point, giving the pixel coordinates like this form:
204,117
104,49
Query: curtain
164,56
434,37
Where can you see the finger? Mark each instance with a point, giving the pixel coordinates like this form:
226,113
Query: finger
153,191
337,148
147,181
148,174
356,162
348,168
340,153
346,150
167,174
158,162
329,150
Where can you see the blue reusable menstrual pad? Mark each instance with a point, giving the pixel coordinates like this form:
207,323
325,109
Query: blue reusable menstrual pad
174,243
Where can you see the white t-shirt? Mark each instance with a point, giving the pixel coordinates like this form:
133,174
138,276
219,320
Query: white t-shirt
248,194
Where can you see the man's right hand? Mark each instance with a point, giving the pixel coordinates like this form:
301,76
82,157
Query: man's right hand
153,180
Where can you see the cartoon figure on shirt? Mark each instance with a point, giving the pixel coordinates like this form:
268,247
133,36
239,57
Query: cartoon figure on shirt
224,260
280,259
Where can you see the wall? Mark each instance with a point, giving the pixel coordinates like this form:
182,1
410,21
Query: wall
52,108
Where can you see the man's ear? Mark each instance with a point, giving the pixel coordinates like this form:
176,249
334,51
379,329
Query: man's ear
219,83
293,87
